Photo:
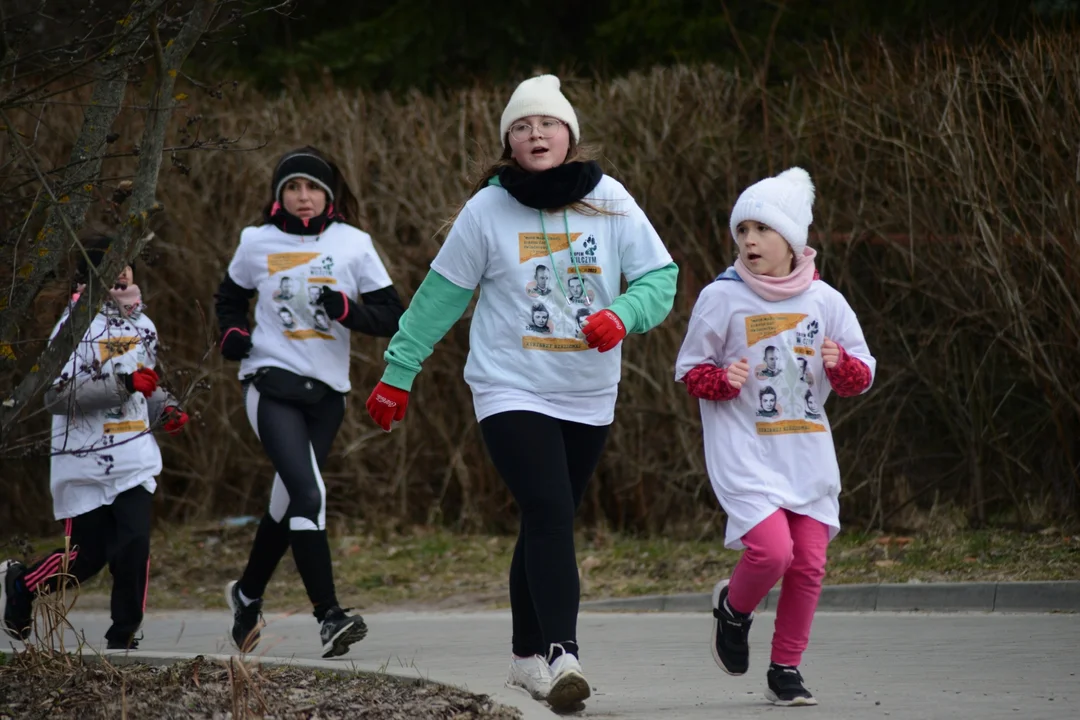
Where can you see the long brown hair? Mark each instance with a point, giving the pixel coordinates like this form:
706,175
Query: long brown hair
346,206
575,153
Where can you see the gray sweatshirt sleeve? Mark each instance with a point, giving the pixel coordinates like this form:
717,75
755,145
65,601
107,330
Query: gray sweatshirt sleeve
156,404
86,394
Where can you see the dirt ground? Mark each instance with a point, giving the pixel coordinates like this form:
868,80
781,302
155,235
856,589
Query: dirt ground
34,685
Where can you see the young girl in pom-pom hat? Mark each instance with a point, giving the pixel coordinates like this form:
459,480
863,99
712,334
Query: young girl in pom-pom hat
768,443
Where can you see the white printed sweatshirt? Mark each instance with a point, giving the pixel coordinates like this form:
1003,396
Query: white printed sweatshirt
102,442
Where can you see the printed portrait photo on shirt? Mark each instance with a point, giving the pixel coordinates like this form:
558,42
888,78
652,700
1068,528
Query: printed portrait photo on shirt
771,367
321,320
767,404
539,319
579,318
286,316
806,375
313,292
812,410
540,285
579,292
285,289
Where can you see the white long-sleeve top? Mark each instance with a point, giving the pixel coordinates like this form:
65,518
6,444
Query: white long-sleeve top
771,447
102,441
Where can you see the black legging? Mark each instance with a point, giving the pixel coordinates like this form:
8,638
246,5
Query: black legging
297,439
117,535
547,464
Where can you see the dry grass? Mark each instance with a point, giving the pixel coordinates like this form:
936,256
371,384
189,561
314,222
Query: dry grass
432,569
948,214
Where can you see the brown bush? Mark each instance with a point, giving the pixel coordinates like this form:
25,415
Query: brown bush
947,213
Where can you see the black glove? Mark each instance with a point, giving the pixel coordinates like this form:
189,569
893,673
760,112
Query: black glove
236,344
335,302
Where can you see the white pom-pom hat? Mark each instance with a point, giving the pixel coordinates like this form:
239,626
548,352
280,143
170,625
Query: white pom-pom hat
539,95
784,202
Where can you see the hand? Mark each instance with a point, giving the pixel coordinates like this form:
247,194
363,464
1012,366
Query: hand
830,353
604,330
387,404
235,344
738,373
335,302
175,419
143,380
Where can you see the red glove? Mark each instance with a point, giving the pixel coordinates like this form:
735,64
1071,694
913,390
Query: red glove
604,330
143,380
387,404
176,419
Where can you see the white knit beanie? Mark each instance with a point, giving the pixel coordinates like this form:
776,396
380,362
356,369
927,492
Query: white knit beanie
783,202
538,95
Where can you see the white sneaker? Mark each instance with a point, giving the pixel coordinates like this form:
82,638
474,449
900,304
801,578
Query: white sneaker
568,684
531,675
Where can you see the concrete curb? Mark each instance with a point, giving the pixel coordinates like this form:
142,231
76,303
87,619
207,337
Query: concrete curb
1024,597
530,709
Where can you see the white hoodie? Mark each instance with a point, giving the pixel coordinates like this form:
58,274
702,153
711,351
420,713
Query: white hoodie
102,444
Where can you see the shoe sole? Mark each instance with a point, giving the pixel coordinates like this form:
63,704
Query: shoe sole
252,641
568,691
5,568
716,629
338,645
775,700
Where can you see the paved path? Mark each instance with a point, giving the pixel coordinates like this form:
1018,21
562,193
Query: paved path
865,666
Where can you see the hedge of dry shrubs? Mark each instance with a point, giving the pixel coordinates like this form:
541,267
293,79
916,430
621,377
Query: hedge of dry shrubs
947,212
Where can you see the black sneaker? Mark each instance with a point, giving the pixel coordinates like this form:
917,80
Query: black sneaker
786,686
131,644
17,605
247,619
730,635
339,631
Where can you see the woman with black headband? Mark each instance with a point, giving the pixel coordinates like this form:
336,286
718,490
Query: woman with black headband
307,264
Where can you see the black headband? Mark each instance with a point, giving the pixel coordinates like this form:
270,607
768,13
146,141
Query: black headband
304,165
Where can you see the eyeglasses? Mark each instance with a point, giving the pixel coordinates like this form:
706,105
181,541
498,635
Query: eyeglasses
521,131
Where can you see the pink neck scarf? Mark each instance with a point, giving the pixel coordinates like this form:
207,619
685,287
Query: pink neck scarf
781,288
126,300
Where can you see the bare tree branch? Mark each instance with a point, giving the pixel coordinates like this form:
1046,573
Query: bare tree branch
64,216
133,234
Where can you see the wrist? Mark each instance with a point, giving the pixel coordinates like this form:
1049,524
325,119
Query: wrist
398,377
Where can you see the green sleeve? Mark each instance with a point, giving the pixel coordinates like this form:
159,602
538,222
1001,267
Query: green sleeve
647,300
436,306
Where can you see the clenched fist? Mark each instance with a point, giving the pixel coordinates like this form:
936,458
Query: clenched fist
738,373
830,353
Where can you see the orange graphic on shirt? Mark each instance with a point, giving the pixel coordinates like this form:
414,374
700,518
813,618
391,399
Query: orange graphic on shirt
116,346
307,335
585,270
788,427
761,327
278,262
532,245
125,427
553,344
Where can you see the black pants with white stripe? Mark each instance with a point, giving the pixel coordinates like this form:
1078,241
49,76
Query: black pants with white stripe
297,439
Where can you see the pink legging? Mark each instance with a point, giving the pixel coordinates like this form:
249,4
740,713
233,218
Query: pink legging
789,546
